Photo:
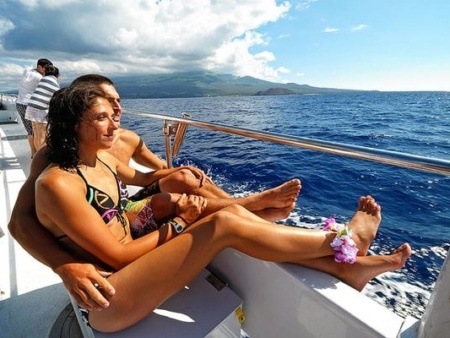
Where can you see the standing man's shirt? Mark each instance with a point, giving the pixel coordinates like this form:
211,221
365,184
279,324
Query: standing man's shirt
29,82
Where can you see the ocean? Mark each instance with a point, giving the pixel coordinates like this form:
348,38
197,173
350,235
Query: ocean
415,205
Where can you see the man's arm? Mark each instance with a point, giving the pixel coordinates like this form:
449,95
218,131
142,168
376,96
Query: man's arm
139,151
147,158
78,277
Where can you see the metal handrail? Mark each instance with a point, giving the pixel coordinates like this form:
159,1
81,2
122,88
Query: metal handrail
394,158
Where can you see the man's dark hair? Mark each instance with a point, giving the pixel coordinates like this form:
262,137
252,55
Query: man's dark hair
93,79
44,62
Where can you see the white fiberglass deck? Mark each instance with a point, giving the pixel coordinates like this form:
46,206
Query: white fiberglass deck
32,296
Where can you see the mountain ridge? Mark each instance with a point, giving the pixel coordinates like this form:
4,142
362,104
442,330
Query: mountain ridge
201,84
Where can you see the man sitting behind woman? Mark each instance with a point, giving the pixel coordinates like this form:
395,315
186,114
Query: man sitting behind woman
84,187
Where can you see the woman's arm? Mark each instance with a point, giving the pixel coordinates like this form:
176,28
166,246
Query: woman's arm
78,277
73,215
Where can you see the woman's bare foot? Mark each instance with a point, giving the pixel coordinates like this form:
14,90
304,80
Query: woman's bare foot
275,214
365,268
282,196
365,222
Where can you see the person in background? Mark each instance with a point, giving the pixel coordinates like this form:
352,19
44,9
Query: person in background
28,83
37,108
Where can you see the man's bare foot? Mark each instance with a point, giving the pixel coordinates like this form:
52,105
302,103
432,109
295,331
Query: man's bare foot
275,214
365,222
365,268
282,196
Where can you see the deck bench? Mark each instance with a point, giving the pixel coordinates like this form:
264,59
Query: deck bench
204,308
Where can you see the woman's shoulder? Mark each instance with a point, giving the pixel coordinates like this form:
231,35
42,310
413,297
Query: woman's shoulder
56,179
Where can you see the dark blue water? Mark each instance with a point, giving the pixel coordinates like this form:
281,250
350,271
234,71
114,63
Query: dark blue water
415,205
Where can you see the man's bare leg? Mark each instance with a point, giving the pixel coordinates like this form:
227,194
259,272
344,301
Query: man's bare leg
184,182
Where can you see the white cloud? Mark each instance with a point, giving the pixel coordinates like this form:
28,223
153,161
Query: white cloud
304,5
331,30
150,36
359,27
234,57
5,26
10,69
32,4
283,70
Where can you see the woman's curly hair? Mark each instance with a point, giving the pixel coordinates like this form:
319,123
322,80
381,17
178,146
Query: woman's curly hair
67,109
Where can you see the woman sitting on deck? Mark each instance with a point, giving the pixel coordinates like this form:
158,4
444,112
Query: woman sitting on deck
152,268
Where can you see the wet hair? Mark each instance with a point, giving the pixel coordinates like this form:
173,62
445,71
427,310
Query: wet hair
93,79
51,70
67,109
44,62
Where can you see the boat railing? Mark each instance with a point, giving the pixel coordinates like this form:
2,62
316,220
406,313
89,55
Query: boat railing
434,322
175,129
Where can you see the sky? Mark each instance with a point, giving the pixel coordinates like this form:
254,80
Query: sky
391,45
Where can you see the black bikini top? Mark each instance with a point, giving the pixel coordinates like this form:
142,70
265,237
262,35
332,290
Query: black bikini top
103,203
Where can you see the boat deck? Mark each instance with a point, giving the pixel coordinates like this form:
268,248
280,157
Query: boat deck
24,282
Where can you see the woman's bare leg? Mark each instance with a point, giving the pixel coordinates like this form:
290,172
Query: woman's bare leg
365,268
146,283
365,223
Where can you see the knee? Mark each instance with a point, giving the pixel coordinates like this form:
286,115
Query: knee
185,178
236,209
229,215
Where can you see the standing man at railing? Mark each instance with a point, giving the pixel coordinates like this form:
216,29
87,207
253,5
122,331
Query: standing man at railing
30,80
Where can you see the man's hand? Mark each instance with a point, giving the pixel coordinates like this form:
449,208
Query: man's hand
86,284
198,173
189,208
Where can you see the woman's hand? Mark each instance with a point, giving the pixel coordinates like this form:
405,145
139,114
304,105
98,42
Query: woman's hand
189,208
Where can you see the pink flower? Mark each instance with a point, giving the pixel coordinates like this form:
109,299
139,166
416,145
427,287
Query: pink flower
329,224
344,246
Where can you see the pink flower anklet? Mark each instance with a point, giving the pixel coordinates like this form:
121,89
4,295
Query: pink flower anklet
344,246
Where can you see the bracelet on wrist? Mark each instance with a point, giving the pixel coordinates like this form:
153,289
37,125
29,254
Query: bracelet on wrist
343,245
181,218
176,227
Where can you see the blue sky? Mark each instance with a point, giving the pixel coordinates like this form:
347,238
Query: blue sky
356,44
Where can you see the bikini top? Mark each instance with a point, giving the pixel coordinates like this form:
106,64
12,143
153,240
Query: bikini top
103,203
